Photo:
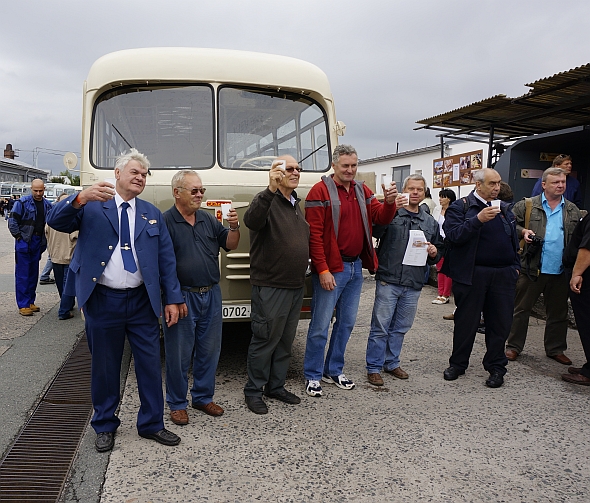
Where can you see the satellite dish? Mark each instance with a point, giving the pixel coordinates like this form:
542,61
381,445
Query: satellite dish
70,160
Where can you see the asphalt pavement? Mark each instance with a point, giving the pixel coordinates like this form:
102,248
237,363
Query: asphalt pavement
421,439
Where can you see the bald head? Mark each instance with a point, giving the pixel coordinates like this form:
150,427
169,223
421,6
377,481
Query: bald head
37,189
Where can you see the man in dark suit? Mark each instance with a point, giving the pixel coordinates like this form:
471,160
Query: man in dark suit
123,258
483,263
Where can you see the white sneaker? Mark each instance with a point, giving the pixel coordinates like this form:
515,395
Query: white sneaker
441,300
341,381
313,388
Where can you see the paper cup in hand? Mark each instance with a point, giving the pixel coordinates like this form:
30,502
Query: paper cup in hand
405,199
281,165
112,181
225,209
496,203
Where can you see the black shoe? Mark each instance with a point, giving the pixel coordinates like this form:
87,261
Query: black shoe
256,404
452,373
285,396
68,316
163,437
105,441
49,281
495,380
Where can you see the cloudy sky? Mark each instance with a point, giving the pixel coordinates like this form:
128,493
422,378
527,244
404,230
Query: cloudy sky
390,62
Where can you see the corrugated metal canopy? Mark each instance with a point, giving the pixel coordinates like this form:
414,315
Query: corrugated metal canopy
557,102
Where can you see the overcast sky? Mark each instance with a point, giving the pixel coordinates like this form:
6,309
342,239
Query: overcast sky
389,62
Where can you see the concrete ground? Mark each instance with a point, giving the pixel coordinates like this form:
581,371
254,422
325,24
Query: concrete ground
423,439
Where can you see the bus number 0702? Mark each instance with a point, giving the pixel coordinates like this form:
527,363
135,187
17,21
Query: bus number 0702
236,311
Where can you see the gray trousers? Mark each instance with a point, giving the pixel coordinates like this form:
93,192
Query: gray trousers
555,288
275,315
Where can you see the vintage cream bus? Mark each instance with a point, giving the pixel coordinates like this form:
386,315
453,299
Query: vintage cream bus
225,114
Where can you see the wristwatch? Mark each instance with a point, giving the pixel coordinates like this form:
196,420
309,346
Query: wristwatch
235,228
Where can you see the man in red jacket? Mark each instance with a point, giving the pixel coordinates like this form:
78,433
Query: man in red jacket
340,213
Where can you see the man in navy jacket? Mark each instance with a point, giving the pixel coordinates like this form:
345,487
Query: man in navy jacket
483,263
123,259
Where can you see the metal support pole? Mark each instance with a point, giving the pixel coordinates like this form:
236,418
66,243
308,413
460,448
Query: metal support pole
490,146
442,146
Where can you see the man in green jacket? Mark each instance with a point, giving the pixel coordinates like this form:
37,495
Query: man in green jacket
552,221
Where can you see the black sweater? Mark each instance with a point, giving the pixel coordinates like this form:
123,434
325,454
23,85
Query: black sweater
279,241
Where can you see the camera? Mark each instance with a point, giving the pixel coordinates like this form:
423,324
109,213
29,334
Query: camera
534,246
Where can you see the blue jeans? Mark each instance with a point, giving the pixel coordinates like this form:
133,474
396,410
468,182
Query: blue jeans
345,298
393,314
61,272
46,270
196,337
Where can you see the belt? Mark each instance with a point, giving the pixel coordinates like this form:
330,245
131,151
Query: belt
346,258
197,289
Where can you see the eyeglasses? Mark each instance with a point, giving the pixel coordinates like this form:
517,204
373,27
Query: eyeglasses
290,170
194,192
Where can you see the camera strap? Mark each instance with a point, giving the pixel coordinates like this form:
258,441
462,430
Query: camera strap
528,205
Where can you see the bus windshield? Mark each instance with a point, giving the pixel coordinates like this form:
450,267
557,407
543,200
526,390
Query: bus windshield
174,127
257,126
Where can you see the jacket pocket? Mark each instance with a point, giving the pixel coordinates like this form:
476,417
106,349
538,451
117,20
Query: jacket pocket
153,231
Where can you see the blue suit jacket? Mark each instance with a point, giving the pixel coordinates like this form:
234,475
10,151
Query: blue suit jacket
98,224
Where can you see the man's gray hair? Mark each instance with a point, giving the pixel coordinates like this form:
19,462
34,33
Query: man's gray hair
415,176
552,172
342,150
178,178
479,175
132,155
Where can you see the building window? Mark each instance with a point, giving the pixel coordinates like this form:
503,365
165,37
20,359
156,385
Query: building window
399,174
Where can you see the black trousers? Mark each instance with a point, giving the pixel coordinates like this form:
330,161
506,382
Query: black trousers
581,307
492,291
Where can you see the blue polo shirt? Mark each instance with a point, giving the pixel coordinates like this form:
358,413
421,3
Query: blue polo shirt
196,247
552,252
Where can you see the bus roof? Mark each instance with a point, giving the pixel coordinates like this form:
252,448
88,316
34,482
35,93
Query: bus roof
182,64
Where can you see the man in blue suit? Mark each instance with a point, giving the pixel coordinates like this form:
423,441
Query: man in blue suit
123,259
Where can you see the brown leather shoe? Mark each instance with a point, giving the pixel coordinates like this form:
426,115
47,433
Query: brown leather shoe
449,316
375,379
210,408
398,372
564,360
576,379
574,370
34,308
179,417
25,311
511,354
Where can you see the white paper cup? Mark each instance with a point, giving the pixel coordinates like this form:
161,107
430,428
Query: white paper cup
406,199
112,181
225,208
281,165
496,203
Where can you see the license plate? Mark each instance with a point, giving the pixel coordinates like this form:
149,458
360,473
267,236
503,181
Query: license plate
236,311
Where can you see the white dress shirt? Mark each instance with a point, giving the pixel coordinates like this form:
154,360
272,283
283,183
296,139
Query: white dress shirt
114,275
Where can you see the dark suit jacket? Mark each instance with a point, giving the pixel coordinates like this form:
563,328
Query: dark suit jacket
98,224
462,228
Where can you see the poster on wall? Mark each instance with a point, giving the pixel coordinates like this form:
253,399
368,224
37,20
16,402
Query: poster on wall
456,170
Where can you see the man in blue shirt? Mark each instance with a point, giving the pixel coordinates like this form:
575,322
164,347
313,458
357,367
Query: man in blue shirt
553,219
572,187
197,237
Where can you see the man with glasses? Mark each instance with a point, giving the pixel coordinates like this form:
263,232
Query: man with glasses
197,237
279,235
572,186
340,212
